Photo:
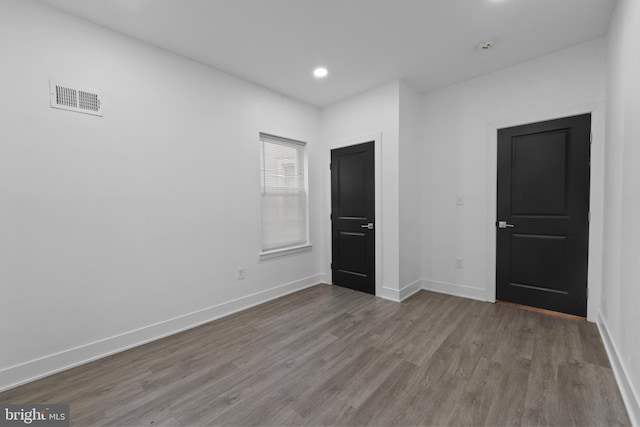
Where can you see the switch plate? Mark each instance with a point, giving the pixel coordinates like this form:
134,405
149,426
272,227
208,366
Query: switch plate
459,263
241,273
459,200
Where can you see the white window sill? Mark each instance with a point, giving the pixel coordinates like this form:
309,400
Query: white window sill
284,251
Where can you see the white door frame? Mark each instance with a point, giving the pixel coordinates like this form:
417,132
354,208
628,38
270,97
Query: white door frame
377,152
596,192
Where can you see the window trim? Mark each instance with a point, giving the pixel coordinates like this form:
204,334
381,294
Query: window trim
298,246
274,253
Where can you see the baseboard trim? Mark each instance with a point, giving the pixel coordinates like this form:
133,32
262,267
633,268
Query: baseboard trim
629,393
23,373
454,289
402,294
410,289
389,294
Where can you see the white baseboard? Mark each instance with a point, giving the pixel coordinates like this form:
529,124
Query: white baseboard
629,393
402,294
410,289
35,369
390,294
454,289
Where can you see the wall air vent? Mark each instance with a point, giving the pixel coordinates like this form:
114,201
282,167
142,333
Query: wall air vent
67,97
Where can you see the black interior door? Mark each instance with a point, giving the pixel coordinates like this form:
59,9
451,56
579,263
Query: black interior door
543,214
353,217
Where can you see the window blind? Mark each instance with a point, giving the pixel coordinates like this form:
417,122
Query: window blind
284,197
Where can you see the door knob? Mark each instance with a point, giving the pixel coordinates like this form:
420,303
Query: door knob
503,224
369,226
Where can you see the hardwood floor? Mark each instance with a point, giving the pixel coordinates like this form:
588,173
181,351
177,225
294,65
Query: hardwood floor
331,356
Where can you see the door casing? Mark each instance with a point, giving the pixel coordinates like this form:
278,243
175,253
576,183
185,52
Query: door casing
379,235
549,214
596,194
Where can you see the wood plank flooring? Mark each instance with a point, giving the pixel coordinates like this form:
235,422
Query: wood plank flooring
330,356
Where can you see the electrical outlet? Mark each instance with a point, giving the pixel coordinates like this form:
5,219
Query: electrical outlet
459,263
241,273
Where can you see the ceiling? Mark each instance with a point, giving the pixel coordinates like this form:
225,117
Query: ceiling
364,43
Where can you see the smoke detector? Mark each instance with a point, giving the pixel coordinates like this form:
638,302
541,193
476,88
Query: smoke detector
485,45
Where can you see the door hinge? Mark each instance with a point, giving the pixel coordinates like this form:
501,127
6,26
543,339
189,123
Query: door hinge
589,216
330,165
331,216
331,266
590,138
587,293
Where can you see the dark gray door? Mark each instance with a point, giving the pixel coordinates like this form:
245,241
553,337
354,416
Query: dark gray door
353,217
543,214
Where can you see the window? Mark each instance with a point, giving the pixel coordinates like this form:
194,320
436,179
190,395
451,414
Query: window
284,194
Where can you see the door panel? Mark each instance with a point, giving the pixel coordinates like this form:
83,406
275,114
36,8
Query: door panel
543,201
352,189
540,162
352,210
539,260
353,252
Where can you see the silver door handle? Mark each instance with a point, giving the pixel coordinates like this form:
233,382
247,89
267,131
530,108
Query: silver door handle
369,226
503,224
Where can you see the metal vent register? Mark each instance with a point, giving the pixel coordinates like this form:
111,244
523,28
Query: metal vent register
69,98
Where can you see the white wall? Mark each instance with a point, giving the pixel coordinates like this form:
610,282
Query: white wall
619,317
458,157
410,195
373,114
120,229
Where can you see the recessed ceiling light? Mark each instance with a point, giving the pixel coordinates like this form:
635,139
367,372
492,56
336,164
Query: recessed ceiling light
320,72
486,45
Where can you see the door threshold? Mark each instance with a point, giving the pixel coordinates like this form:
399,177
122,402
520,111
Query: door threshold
542,310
